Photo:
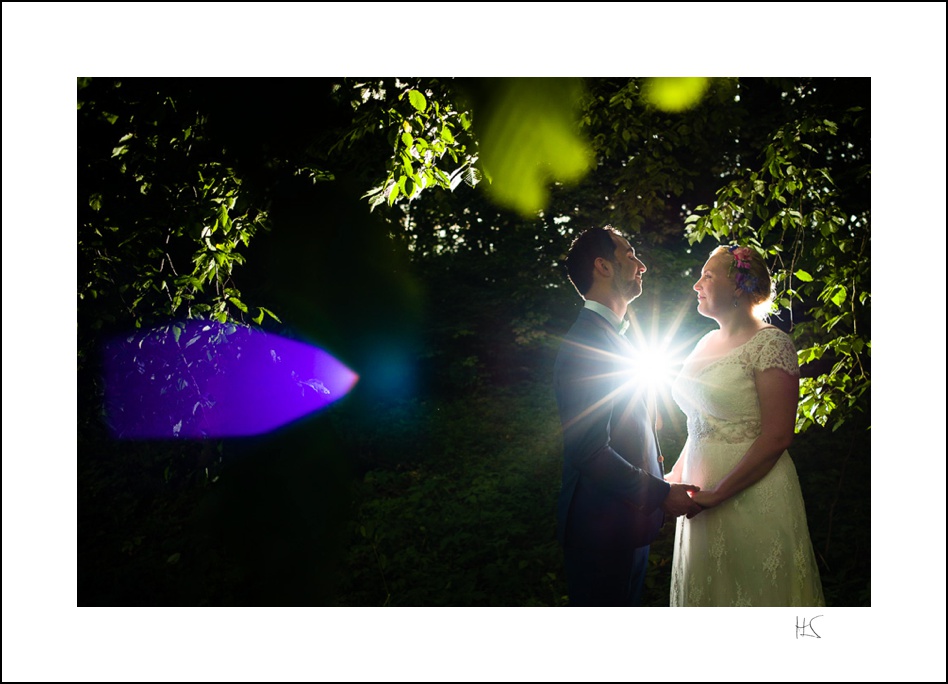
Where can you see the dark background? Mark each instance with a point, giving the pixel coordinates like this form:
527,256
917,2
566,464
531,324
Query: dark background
434,482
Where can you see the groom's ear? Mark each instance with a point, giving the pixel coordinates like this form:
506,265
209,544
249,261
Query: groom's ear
604,266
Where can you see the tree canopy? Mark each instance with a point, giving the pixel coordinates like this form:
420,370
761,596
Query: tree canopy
476,187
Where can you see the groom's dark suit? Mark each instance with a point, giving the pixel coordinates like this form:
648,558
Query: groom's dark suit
610,505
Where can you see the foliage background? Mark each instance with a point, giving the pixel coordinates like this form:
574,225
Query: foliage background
433,484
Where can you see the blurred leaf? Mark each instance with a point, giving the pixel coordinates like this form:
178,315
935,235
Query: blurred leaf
529,139
675,94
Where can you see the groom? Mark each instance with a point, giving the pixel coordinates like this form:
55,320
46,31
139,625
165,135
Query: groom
614,497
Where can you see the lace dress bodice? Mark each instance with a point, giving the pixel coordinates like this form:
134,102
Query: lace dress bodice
720,398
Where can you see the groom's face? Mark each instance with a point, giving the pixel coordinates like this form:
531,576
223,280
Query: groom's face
627,280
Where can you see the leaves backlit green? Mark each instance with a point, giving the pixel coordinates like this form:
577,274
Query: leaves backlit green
794,194
804,276
528,139
417,100
187,205
675,94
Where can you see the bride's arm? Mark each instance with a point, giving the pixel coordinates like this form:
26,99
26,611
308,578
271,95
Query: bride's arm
778,392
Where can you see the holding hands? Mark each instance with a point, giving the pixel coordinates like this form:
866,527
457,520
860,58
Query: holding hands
707,499
681,502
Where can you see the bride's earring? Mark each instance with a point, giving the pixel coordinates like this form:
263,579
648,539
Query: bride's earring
734,301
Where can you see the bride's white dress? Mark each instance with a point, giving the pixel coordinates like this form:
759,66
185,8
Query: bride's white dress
753,549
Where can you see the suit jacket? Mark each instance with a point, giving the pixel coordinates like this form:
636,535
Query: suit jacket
613,484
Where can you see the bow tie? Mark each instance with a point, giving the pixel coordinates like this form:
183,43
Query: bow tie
623,326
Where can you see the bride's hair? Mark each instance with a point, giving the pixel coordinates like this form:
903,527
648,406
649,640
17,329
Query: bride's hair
761,292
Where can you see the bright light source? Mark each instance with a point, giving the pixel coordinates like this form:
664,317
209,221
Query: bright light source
658,357
655,367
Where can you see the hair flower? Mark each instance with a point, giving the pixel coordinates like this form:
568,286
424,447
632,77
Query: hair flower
742,263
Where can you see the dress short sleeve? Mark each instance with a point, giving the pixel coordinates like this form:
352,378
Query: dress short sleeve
775,350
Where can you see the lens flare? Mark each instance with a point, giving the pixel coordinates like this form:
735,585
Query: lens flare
654,367
650,367
199,379
658,357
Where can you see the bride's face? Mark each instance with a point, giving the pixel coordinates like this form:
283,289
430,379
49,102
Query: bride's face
715,290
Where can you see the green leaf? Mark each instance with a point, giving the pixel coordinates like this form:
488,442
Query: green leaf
804,276
239,304
271,314
407,140
417,100
839,296
223,218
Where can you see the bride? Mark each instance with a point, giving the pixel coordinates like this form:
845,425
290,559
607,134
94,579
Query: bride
749,546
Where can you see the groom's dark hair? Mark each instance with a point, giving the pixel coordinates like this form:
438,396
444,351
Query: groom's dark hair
586,248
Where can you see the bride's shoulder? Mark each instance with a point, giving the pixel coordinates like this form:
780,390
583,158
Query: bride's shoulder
770,334
773,348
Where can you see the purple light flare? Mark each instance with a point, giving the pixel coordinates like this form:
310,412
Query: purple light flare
203,379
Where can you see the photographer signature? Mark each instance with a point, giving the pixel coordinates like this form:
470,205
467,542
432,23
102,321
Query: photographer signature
803,626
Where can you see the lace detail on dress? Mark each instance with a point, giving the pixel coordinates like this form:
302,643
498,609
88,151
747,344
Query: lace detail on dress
774,561
718,548
721,403
708,427
754,548
741,598
774,349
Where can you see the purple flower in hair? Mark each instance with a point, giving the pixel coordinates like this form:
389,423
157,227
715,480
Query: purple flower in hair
742,263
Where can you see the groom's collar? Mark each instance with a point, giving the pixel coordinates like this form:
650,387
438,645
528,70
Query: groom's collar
620,325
